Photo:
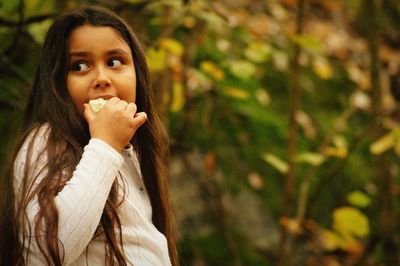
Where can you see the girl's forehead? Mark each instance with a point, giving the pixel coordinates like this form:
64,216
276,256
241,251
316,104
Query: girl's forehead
90,37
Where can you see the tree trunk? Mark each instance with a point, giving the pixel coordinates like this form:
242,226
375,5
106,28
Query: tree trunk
384,178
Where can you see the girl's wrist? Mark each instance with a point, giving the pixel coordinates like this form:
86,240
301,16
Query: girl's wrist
112,144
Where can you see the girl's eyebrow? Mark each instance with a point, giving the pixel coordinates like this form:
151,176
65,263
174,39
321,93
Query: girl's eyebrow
110,52
117,51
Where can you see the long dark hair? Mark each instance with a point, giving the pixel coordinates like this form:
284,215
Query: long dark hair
50,103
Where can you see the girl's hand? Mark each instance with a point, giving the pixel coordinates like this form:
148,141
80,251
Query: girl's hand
115,123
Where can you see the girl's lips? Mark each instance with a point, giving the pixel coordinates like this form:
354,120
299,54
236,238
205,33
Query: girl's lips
105,97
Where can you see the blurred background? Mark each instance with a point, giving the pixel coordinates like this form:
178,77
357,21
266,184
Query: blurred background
283,118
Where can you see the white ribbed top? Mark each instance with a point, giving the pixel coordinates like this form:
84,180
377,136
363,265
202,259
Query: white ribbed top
80,205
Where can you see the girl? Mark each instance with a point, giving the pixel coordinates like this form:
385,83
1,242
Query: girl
85,187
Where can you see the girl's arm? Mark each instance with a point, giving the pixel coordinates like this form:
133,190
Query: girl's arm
81,202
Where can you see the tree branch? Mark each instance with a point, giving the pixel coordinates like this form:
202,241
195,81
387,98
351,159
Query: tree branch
283,247
35,19
212,196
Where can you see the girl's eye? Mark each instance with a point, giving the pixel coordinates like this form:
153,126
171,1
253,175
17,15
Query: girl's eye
115,62
78,67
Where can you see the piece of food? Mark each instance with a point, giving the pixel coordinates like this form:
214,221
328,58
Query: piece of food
97,104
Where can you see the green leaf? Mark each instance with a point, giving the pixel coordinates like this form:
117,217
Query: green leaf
353,6
34,7
8,7
242,69
259,114
358,199
214,21
38,30
308,42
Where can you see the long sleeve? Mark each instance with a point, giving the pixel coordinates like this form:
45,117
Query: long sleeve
81,202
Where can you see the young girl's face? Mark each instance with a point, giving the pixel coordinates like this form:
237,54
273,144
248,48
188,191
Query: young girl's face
100,66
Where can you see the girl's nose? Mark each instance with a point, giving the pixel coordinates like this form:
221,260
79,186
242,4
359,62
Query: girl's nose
102,79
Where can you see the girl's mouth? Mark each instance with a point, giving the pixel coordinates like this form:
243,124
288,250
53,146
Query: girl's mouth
105,97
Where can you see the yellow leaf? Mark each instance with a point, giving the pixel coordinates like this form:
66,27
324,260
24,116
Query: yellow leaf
359,199
340,149
311,158
173,46
340,152
178,97
218,74
212,69
350,221
258,52
155,59
331,240
276,162
237,93
340,141
322,68
383,144
207,66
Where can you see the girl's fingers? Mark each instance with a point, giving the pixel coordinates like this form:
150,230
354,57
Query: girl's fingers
113,100
88,112
123,103
131,108
139,119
